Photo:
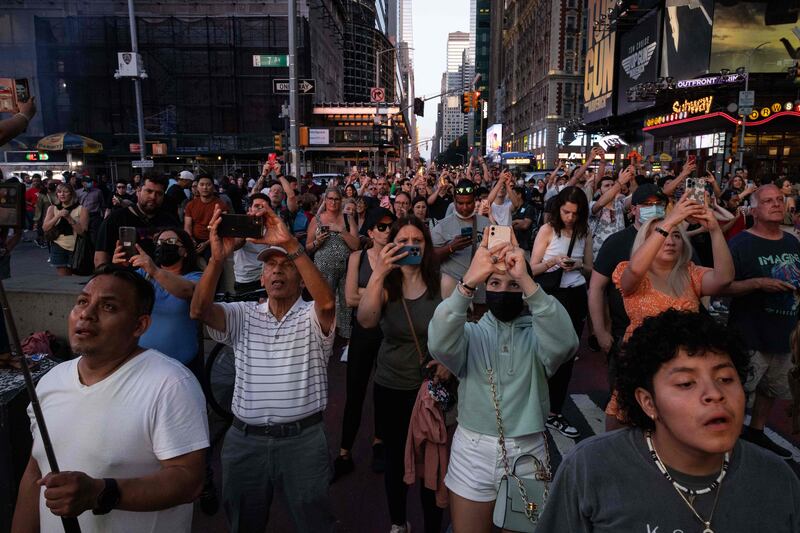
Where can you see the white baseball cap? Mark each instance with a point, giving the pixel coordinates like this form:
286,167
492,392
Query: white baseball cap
186,175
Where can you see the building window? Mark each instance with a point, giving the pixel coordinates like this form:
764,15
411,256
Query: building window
570,22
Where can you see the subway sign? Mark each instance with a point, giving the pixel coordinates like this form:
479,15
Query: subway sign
37,156
767,111
681,110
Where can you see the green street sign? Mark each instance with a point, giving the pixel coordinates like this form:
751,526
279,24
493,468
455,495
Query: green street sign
270,61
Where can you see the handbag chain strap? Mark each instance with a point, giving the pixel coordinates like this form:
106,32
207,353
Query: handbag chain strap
531,509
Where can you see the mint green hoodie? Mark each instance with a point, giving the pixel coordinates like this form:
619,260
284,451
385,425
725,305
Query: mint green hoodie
523,353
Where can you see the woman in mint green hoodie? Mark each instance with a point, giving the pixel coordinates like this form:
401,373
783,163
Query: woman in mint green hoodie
525,337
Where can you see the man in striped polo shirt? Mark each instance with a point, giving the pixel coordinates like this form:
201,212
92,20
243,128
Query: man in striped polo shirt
281,349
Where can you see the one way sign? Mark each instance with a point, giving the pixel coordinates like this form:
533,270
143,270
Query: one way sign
281,86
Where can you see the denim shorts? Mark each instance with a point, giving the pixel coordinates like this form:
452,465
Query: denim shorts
59,257
476,467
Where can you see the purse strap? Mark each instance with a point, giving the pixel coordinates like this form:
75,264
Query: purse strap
543,471
572,242
413,333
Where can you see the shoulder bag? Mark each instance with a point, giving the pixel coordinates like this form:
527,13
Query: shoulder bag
443,395
517,508
550,281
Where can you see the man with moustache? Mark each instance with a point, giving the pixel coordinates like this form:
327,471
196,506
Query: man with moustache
128,425
146,216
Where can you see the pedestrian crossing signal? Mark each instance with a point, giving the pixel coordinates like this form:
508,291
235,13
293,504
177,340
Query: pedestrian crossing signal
466,100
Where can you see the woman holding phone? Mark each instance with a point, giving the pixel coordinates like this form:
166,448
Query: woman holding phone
69,220
332,235
568,226
404,285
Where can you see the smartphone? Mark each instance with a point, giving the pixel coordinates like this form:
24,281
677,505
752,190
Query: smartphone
499,235
749,183
271,158
569,261
240,226
692,160
466,231
23,89
696,187
127,238
414,256
325,229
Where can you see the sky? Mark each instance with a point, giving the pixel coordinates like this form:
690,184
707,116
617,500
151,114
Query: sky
433,20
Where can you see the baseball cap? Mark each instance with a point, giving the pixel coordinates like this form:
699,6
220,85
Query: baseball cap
186,175
648,190
271,250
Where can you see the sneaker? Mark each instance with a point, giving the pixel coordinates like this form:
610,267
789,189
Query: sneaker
209,502
593,344
405,528
342,466
757,436
378,458
560,424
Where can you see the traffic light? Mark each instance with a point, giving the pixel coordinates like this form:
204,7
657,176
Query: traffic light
419,107
277,140
466,100
735,140
474,100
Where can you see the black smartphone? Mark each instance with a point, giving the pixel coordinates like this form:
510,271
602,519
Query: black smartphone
466,232
325,229
12,204
127,238
241,226
414,256
23,89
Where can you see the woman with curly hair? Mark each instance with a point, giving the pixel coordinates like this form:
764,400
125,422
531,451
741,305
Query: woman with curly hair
681,466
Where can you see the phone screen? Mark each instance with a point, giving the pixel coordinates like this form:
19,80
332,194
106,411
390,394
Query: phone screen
127,239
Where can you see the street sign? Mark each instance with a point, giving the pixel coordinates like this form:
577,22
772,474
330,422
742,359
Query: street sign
377,95
270,61
304,86
747,99
144,163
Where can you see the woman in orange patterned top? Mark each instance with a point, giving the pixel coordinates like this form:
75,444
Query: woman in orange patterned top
661,275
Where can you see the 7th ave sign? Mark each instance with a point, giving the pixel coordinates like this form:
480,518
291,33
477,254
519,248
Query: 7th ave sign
305,86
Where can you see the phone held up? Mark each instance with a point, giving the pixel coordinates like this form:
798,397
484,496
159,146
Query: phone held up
240,226
414,256
127,238
499,235
696,188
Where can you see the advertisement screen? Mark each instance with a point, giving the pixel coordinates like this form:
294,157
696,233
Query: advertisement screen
598,81
638,61
760,36
494,139
687,38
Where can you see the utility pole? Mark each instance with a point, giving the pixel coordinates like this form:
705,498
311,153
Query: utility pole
137,82
293,138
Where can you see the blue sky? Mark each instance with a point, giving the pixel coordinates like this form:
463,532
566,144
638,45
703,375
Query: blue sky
433,20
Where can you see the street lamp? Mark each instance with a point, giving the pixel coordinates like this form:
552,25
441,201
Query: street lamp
744,116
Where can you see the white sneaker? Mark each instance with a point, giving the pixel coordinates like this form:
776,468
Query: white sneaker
401,529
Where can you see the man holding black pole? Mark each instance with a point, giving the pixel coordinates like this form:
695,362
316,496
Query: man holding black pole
128,425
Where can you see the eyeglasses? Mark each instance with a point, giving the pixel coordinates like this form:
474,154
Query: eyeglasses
169,240
332,199
380,226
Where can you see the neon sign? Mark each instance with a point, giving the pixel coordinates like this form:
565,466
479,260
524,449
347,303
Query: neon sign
682,110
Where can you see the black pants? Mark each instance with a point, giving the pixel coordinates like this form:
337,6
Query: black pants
575,301
395,406
364,345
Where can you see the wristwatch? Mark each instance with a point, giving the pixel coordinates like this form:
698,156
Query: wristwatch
300,251
108,497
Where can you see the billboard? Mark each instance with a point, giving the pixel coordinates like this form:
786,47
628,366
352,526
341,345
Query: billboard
687,38
638,61
598,81
494,140
760,36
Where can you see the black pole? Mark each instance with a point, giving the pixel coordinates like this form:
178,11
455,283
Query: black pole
70,523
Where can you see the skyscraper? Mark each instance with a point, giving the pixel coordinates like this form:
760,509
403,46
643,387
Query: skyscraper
454,123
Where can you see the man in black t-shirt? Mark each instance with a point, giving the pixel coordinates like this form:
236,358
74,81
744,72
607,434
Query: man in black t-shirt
176,193
147,216
765,307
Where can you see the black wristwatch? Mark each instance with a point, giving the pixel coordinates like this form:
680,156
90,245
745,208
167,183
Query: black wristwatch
108,497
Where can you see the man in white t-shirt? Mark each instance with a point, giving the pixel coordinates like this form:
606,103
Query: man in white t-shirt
128,425
246,266
281,349
499,199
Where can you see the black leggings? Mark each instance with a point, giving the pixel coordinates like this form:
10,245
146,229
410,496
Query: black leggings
395,406
575,301
360,361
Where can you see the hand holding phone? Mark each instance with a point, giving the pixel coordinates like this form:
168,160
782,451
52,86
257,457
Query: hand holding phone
240,226
127,239
414,256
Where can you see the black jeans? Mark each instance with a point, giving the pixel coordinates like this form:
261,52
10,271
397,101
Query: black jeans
364,345
575,300
394,407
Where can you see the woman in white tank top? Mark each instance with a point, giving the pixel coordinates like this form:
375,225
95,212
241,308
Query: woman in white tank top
569,213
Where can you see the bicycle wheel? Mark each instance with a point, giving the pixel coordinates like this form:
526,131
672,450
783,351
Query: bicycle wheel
218,380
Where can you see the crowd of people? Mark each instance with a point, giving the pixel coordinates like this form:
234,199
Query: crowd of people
462,292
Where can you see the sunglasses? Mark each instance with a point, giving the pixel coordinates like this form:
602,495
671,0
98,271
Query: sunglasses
380,226
464,190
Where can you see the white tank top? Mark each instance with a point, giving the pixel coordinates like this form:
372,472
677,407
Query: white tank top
558,248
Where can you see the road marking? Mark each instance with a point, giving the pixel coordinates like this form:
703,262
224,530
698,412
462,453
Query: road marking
595,417
564,444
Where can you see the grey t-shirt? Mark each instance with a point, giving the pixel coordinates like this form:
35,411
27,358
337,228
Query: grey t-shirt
448,229
398,360
609,484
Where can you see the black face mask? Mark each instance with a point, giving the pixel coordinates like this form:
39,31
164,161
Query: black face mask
51,187
505,306
166,254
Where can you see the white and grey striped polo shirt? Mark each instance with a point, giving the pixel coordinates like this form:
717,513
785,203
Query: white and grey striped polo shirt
281,366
